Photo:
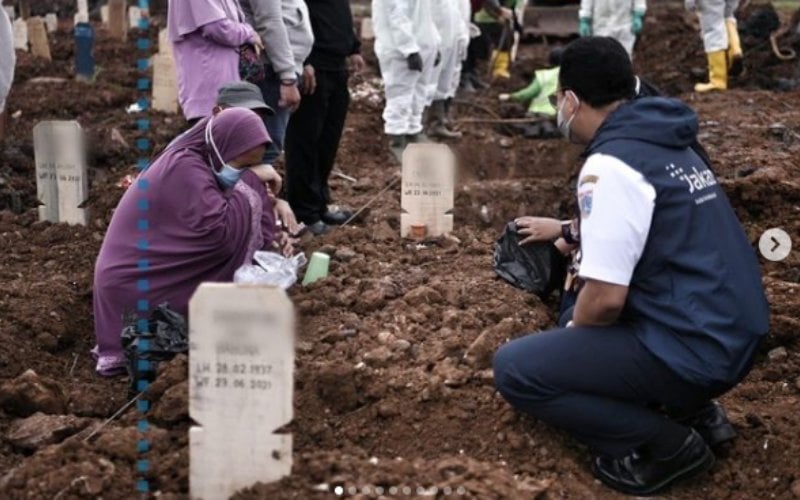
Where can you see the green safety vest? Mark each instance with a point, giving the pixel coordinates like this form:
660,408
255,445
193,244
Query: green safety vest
544,84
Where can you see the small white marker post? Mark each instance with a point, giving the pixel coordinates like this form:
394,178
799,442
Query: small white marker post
241,366
134,16
51,22
367,29
61,180
427,189
165,83
20,34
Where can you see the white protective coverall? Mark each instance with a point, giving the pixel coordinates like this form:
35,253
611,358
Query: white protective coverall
613,18
402,28
465,19
713,14
447,18
7,57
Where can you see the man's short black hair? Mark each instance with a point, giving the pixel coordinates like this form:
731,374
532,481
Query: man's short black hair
598,70
554,57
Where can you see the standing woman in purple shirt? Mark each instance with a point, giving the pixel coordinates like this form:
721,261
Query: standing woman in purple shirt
206,36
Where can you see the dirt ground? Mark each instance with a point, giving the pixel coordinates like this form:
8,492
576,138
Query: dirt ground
393,385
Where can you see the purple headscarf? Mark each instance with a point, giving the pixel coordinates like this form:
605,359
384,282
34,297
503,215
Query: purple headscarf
186,16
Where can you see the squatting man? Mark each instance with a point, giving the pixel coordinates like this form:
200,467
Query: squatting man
671,310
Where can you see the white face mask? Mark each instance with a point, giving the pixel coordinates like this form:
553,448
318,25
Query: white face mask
564,125
228,176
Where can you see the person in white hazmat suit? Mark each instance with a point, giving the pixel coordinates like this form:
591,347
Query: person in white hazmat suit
407,46
720,41
453,27
622,20
8,60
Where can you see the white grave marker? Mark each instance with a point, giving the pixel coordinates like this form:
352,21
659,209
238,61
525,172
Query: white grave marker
10,11
241,365
104,14
51,21
367,29
117,19
61,180
20,34
427,189
37,32
165,84
134,15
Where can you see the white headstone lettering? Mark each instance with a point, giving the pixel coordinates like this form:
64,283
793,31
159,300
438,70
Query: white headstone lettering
427,189
51,22
37,32
241,365
20,34
165,84
61,180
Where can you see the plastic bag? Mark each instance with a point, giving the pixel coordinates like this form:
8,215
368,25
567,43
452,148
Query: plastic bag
537,267
272,269
167,335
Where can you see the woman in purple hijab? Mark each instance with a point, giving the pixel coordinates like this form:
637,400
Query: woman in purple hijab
206,36
202,213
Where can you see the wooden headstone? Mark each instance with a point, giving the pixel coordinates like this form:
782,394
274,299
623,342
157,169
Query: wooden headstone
61,180
118,19
367,29
427,190
20,34
134,15
165,83
37,32
241,365
51,22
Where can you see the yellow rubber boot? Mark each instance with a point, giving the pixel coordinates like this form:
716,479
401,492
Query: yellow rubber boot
717,72
502,60
735,54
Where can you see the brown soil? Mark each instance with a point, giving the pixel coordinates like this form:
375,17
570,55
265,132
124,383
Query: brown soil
424,319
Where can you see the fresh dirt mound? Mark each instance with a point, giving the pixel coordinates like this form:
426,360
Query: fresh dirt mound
393,384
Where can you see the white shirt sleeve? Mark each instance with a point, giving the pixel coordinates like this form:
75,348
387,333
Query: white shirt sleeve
616,204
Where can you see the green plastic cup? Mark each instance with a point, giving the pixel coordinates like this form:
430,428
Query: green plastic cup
317,268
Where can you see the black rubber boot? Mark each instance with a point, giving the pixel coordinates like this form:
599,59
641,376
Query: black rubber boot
637,475
397,144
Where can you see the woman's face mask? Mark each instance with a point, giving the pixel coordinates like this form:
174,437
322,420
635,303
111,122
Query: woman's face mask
565,124
228,176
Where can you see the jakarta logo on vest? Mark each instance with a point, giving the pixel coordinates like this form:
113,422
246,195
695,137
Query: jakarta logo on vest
697,180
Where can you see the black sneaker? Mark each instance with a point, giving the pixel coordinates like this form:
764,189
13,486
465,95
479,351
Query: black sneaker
711,423
336,217
635,475
318,228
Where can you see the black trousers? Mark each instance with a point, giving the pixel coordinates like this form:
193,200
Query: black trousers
312,140
600,384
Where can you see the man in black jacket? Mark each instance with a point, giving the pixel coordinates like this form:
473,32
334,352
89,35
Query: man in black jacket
312,138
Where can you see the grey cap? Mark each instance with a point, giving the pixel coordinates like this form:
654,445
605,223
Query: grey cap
243,95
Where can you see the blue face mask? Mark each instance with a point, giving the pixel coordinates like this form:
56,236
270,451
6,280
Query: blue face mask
228,176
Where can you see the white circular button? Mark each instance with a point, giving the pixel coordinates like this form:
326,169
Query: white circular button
775,244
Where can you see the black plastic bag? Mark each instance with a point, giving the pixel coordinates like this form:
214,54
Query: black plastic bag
167,335
537,267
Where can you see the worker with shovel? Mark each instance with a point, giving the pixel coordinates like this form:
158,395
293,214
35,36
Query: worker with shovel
672,309
720,40
497,20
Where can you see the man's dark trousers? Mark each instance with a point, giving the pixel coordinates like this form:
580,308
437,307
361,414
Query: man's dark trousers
598,383
312,140
276,124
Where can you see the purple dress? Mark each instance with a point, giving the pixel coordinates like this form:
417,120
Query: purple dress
206,50
195,233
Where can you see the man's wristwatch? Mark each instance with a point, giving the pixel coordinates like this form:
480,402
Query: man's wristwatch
567,234
288,83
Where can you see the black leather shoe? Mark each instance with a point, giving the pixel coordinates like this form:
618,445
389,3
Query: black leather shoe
711,423
635,475
336,217
318,228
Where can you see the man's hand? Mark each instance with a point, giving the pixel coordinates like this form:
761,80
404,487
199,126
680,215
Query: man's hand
356,63
538,229
309,80
286,215
599,303
258,45
414,62
269,176
290,96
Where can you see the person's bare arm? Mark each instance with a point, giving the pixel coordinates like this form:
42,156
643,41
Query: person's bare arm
599,304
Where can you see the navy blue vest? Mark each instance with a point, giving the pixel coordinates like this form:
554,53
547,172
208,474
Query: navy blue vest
696,296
